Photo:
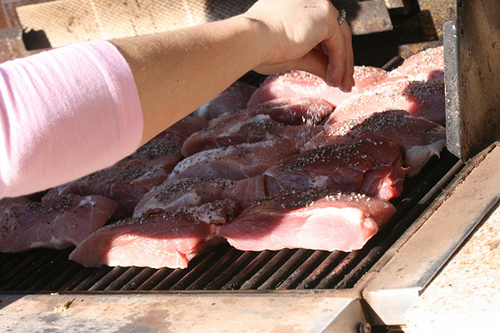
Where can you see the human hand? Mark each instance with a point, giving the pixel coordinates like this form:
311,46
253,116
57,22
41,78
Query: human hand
305,35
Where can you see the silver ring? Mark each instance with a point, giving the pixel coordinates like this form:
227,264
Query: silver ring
342,16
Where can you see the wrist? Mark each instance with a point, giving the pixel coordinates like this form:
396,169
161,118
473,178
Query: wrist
260,44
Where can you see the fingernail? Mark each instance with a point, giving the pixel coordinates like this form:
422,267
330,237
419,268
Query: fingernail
329,80
346,88
347,85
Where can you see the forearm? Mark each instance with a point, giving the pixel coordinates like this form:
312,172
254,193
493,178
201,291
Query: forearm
178,71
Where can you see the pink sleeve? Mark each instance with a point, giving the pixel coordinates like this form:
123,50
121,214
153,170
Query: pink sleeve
65,113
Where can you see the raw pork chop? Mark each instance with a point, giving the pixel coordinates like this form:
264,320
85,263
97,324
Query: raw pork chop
293,110
125,183
196,191
311,219
58,224
235,162
188,125
423,98
418,138
9,206
302,84
233,129
162,151
165,149
157,240
423,65
230,100
370,164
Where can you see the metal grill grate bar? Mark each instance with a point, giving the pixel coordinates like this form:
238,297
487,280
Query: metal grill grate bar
248,271
236,266
137,281
286,269
305,270
277,260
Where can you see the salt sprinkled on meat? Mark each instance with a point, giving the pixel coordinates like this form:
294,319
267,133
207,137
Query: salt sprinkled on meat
421,65
424,98
170,239
60,223
235,162
293,110
370,164
419,138
196,191
155,148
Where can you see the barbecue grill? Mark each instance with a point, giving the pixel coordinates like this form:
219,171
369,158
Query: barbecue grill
297,289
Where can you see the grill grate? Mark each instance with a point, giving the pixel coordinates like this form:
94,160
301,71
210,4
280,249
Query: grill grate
225,268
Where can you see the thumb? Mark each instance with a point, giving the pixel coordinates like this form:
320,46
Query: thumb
315,62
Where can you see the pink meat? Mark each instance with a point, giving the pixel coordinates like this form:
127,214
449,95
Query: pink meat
423,98
163,151
187,126
293,110
301,84
233,129
369,164
366,76
196,191
423,65
125,183
235,162
311,219
302,133
215,212
63,222
230,100
419,138
9,206
158,240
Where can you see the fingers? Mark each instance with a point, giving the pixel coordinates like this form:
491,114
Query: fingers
340,57
347,80
315,62
296,30
332,60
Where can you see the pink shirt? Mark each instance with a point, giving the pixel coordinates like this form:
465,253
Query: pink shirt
65,113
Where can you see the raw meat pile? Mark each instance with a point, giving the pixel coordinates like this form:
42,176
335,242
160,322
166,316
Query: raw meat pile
293,163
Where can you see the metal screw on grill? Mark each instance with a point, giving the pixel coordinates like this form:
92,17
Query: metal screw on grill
365,328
